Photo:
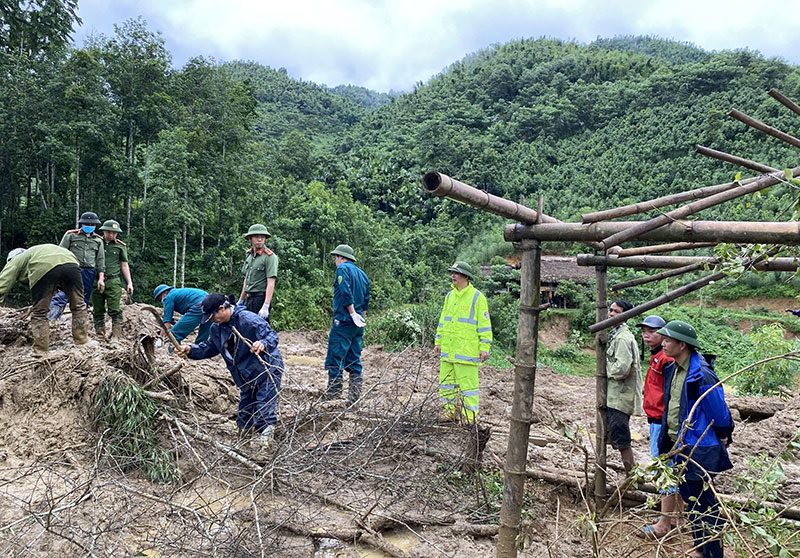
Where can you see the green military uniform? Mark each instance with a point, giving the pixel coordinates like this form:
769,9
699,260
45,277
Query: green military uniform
258,267
87,248
116,252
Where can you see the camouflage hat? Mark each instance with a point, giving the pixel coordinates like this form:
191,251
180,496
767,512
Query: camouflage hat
111,225
344,251
463,268
258,228
681,331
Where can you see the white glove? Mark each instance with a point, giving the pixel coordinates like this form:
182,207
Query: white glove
357,319
240,302
264,312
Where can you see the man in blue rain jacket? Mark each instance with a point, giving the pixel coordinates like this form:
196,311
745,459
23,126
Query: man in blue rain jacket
258,384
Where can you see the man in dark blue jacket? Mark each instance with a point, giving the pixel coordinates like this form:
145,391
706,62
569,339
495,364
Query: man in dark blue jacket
258,383
702,431
350,304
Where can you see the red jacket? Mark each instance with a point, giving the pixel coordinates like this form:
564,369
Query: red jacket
653,402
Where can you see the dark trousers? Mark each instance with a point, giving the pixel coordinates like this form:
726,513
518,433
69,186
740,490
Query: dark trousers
344,353
255,301
258,401
704,516
60,299
66,278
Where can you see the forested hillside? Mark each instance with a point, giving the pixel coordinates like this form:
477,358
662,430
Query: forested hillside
186,159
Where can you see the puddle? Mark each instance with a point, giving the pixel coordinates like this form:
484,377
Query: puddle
331,548
303,359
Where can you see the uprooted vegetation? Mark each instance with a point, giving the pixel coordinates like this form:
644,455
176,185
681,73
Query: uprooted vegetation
123,449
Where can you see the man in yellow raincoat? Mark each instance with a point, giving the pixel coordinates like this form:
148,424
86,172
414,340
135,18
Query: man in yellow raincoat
463,339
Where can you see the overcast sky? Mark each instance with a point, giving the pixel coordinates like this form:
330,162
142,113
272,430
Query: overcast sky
383,44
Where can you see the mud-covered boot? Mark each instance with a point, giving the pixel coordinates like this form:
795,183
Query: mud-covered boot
80,327
261,444
334,390
41,336
116,328
354,391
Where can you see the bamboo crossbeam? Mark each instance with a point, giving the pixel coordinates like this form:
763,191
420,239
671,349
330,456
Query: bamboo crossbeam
660,248
656,302
442,185
656,277
728,158
645,206
766,128
760,183
785,101
746,232
674,262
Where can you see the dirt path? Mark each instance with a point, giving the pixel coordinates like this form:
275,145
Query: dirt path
386,466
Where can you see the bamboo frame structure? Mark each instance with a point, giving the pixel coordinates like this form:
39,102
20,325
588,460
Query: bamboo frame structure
534,227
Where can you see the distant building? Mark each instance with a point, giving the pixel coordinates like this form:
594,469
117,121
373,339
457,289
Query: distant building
554,270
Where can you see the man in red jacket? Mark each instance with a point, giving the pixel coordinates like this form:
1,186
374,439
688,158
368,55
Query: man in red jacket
653,404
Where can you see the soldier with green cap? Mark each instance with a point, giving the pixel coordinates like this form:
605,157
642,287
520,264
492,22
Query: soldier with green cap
88,248
350,305
703,432
260,270
463,340
116,258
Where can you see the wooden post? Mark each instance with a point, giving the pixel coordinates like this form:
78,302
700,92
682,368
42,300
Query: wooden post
522,401
769,130
657,277
601,390
728,158
660,248
671,262
784,101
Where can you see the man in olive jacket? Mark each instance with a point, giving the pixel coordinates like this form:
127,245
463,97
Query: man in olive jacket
625,385
45,269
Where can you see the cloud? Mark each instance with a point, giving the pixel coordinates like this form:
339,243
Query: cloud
384,44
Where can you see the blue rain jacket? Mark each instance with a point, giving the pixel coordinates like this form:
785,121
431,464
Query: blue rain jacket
705,447
243,365
350,286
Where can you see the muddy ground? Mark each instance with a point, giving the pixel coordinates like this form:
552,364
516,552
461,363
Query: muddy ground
344,481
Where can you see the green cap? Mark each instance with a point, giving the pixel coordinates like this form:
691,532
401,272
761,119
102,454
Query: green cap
258,228
111,225
344,251
682,331
463,268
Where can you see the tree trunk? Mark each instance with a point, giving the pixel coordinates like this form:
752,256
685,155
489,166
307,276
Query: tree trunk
130,148
202,238
175,263
144,196
221,187
39,187
77,181
183,256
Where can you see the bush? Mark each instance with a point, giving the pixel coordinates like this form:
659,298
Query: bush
767,378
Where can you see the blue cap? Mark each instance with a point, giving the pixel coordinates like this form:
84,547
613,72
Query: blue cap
652,321
159,290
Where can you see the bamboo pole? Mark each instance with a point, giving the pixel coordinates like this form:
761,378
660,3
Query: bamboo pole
784,101
663,299
522,402
601,390
744,232
642,207
656,277
443,186
660,248
766,128
673,262
762,182
728,158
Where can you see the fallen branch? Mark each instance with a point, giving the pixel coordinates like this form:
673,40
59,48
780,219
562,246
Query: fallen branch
226,450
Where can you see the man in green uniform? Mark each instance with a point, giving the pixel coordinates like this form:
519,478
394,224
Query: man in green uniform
45,269
260,270
88,248
116,259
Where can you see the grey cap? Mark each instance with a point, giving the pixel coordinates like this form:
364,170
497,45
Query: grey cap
652,321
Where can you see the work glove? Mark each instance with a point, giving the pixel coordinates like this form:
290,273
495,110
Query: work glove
240,302
357,319
264,312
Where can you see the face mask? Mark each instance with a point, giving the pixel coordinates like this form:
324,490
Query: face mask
87,229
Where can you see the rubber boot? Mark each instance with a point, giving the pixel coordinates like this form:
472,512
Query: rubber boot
116,328
261,444
41,336
80,327
99,326
334,390
354,391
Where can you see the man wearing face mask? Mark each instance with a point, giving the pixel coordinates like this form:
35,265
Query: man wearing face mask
88,248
